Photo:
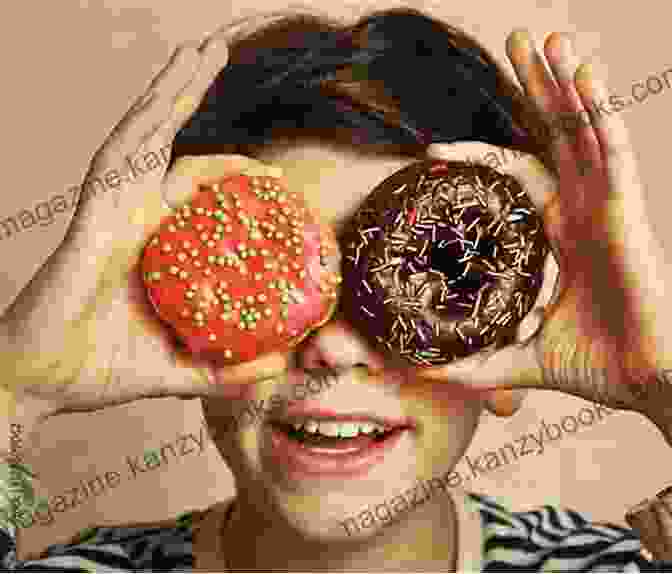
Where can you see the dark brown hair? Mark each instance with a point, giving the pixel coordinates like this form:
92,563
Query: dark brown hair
397,78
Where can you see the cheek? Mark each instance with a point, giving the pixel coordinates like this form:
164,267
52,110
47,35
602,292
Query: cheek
448,415
442,398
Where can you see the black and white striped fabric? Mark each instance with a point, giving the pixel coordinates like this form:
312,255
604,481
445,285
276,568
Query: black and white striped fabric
545,539
549,539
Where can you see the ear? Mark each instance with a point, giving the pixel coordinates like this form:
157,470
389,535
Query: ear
505,402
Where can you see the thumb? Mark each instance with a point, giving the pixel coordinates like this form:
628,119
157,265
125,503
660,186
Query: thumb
511,367
200,379
180,185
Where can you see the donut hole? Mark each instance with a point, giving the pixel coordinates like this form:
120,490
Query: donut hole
444,256
472,280
486,247
447,260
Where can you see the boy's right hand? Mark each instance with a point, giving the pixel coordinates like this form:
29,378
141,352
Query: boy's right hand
81,335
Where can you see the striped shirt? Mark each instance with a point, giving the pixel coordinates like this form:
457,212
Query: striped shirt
545,539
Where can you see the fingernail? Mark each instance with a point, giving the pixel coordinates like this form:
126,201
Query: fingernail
261,170
185,105
521,38
584,73
275,171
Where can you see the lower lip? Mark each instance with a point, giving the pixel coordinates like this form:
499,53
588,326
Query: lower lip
299,460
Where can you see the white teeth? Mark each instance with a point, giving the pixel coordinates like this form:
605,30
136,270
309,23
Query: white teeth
329,429
311,426
347,430
337,429
366,428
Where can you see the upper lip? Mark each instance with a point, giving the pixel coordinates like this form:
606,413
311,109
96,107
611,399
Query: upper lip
300,413
304,409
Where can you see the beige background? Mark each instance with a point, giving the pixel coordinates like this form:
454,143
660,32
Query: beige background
71,69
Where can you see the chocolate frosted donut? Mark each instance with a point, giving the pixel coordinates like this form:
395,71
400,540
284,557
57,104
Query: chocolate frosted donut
442,259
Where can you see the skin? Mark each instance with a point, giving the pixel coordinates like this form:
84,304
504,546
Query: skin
295,526
606,320
300,519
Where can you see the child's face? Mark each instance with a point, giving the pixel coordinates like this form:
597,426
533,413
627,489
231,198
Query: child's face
318,496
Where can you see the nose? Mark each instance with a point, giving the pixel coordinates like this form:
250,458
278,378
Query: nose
336,346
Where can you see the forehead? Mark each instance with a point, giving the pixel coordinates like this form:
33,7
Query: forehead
334,179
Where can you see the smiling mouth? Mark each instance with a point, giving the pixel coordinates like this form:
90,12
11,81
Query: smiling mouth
338,435
330,433
312,442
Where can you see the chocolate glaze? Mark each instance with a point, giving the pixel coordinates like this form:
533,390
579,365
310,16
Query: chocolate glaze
441,260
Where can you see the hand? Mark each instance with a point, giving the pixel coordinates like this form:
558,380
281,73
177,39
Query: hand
652,520
601,337
81,335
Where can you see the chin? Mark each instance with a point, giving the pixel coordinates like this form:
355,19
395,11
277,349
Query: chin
321,501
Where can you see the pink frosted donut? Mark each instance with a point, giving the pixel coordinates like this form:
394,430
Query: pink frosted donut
243,269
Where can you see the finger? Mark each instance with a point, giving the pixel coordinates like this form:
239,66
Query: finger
546,298
512,367
535,179
178,72
653,523
206,380
537,82
643,520
149,95
248,24
652,520
540,86
664,518
182,183
215,55
155,105
505,402
564,62
611,131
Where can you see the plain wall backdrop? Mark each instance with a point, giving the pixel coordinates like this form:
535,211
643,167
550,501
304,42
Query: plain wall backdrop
72,69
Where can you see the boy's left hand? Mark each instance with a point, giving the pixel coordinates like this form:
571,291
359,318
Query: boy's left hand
602,337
